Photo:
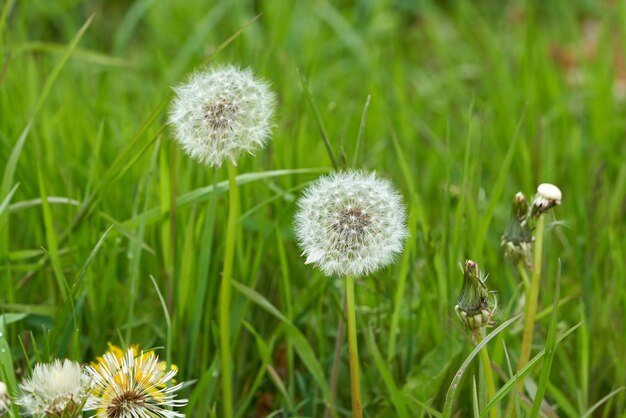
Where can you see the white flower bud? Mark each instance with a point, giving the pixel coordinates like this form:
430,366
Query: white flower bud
550,192
547,196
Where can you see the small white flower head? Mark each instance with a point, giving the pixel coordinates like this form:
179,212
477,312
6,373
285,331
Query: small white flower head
133,386
547,196
350,223
57,389
220,113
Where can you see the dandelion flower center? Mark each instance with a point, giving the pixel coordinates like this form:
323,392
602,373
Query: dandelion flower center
351,225
125,403
221,114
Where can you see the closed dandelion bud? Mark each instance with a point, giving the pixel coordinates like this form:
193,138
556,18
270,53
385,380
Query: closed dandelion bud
547,196
58,389
473,308
220,113
350,223
133,384
517,238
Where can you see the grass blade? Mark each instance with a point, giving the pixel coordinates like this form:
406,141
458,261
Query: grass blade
301,345
475,405
203,276
204,193
508,386
550,348
454,385
168,323
7,199
7,373
361,135
64,324
396,396
318,120
601,401
498,189
51,238
9,170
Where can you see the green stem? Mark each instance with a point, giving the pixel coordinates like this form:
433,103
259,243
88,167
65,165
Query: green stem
334,374
524,275
489,382
355,381
533,296
224,298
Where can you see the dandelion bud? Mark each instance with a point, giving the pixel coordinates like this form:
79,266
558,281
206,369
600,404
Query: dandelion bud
473,308
350,223
220,113
57,389
547,196
517,238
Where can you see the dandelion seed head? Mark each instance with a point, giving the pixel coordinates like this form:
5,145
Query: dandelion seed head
55,389
350,223
220,113
133,385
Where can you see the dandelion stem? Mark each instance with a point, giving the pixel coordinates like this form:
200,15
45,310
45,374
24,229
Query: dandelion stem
355,381
533,296
524,275
488,381
224,300
334,374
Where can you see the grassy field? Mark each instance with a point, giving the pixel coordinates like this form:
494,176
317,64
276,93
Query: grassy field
110,233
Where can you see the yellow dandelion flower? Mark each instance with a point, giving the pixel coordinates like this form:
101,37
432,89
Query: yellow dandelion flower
132,384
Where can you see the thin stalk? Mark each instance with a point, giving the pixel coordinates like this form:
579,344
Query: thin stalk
355,381
334,374
524,275
533,296
224,298
488,381
530,314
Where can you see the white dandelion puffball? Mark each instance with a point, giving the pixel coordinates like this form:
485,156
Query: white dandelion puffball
59,388
132,386
220,113
350,223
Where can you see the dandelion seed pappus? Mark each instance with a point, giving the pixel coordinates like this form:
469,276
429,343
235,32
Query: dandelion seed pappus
350,223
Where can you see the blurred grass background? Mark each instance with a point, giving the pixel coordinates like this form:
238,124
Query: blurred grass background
470,103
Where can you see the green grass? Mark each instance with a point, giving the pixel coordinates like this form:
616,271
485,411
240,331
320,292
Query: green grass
469,104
